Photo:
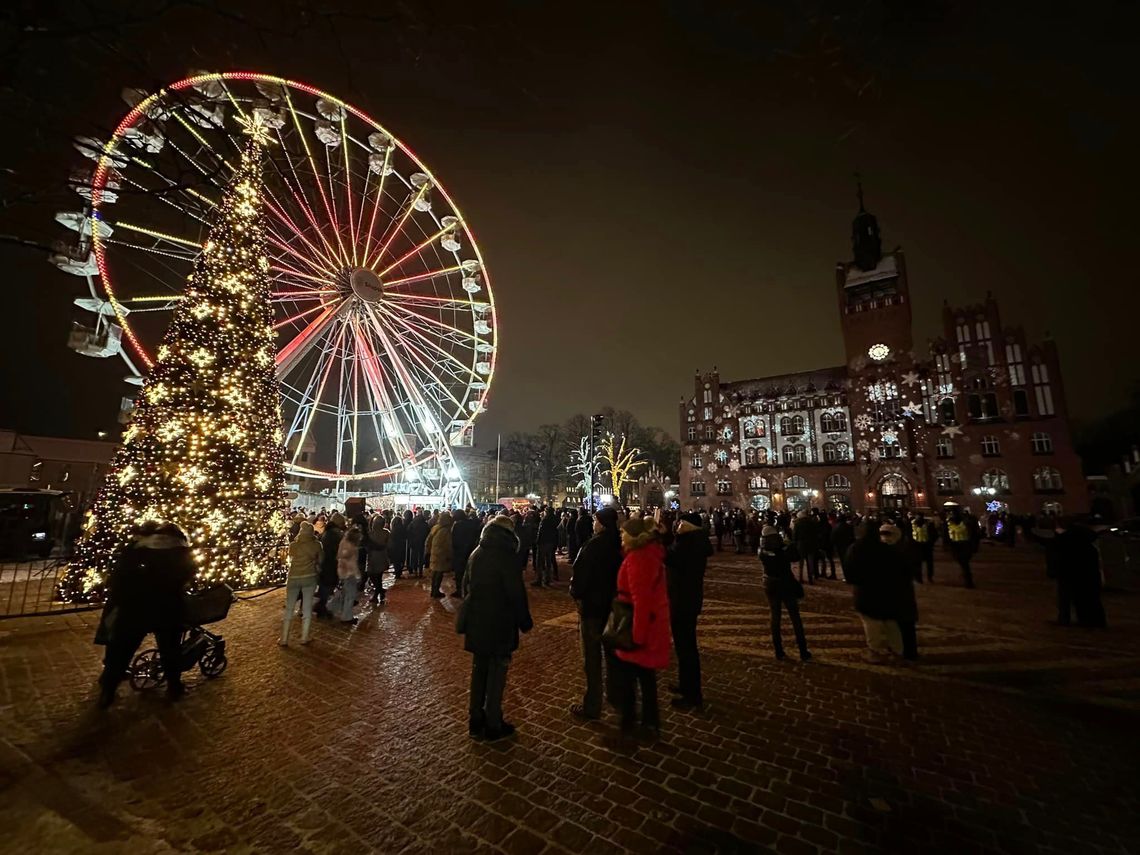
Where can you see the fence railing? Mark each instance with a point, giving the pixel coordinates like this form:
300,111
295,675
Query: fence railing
29,588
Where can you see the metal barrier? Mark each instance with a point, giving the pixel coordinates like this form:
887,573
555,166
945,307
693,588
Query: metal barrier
29,588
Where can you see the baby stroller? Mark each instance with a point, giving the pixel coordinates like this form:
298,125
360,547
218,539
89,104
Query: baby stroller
199,646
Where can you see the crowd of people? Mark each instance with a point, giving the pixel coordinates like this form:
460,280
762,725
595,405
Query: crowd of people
638,582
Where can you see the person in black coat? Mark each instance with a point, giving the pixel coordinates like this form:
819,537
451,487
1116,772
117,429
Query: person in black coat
594,586
494,611
1072,560
328,579
144,594
907,573
875,569
547,546
398,545
418,530
685,563
583,531
842,536
782,591
464,537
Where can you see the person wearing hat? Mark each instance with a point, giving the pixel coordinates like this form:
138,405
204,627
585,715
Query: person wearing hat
782,590
593,586
874,569
685,563
144,594
641,583
905,604
330,546
494,611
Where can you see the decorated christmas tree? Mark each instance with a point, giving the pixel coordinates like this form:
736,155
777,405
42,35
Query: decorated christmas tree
204,445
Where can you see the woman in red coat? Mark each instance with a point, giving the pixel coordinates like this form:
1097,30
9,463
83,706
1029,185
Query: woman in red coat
641,582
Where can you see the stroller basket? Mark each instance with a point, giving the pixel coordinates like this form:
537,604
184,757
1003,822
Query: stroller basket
209,605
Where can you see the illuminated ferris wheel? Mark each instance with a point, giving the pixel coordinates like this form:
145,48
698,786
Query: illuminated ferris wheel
385,316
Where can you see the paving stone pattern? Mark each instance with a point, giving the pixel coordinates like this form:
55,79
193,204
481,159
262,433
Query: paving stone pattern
1010,736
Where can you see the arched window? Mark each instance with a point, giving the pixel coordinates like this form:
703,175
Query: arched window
696,462
760,502
758,482
837,482
946,414
750,456
753,427
796,482
842,451
997,479
795,453
761,456
1046,479
947,481
833,423
692,432
894,485
707,414
1042,443
982,401
829,453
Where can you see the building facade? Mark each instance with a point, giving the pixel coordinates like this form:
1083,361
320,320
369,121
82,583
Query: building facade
977,419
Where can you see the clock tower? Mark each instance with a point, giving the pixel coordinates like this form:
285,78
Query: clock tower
874,301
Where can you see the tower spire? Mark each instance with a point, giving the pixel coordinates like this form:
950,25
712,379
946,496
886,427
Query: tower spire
859,190
866,247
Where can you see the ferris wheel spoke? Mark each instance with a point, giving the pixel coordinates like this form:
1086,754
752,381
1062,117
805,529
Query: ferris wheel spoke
434,352
416,250
179,255
272,238
420,277
305,398
348,188
388,417
398,226
297,316
415,316
297,189
274,206
455,303
206,145
376,202
288,356
316,174
316,400
412,386
163,196
341,408
425,353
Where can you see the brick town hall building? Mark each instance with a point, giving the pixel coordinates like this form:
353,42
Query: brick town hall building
979,420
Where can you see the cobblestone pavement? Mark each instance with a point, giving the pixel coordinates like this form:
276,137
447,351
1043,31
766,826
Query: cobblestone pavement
1010,736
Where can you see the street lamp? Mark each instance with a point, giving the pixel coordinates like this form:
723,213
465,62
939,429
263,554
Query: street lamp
985,491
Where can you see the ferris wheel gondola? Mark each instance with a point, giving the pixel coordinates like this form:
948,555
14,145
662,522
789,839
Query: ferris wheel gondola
385,313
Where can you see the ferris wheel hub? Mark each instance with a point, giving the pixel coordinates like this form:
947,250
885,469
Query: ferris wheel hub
366,285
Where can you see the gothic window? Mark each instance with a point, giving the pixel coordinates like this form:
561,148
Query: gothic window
833,423
1042,443
1016,368
708,394
947,481
982,401
792,425
696,462
1020,403
796,482
963,332
692,432
1041,387
946,414
707,414
990,446
754,427
842,451
697,488
945,447
758,482
724,488
997,479
710,432
837,482
1047,479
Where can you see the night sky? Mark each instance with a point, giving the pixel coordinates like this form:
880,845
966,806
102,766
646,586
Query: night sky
656,187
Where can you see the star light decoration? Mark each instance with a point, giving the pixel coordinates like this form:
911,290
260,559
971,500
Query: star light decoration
204,448
952,431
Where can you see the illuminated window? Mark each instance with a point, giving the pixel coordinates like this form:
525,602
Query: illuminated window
990,446
947,481
1042,443
724,488
1047,479
796,482
945,447
692,432
696,488
997,479
837,482
696,462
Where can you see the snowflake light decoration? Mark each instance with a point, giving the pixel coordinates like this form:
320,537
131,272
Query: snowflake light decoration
875,454
735,448
1014,435
863,445
910,378
732,411
890,437
734,465
711,468
862,421
704,449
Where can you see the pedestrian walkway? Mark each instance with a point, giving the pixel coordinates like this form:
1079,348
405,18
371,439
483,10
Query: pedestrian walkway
357,743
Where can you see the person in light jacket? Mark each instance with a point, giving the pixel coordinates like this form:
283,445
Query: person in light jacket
641,583
348,571
439,552
304,567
